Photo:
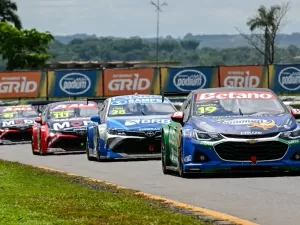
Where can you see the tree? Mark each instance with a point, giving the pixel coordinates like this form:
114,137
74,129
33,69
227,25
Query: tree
8,14
24,49
264,28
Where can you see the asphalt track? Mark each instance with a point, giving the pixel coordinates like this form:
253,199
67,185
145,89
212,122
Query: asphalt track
264,200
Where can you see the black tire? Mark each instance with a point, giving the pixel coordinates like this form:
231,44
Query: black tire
32,147
181,171
88,152
97,150
164,161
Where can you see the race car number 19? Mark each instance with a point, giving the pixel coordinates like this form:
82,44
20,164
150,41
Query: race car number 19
207,109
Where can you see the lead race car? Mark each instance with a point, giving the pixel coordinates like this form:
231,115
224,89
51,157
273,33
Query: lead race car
231,129
16,124
128,127
63,127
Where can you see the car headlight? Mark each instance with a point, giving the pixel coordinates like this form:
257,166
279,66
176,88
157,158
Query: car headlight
115,131
201,135
291,135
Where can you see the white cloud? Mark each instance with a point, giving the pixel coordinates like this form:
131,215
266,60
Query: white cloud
137,17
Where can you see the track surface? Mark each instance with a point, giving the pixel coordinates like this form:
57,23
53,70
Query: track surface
264,200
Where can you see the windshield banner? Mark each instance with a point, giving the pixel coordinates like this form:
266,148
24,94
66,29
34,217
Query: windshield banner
75,83
243,76
188,78
285,79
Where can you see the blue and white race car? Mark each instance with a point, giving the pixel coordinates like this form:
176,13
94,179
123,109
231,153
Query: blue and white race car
129,127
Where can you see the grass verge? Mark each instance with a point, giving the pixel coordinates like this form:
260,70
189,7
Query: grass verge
32,196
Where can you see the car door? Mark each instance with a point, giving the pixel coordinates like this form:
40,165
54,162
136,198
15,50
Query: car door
175,135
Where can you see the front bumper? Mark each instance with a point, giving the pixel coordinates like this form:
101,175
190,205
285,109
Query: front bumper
241,155
133,147
60,143
16,136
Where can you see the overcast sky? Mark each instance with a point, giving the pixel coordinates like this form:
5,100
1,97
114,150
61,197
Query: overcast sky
125,18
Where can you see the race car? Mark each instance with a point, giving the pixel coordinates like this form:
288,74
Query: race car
128,127
16,124
62,128
231,129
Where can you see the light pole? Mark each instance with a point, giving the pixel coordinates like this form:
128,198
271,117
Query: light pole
158,7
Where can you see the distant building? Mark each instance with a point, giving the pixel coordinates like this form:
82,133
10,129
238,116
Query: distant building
103,65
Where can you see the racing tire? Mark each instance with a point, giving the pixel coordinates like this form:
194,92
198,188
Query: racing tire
32,147
181,171
88,151
98,150
164,161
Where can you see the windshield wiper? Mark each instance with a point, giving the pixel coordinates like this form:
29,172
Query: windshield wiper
240,111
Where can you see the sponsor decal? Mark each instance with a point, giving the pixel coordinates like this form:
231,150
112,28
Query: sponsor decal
136,101
188,80
122,82
150,121
241,76
235,95
252,123
16,85
150,129
17,108
188,158
250,132
289,78
60,126
16,123
72,106
75,83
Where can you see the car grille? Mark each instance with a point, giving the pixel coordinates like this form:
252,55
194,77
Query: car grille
138,146
250,136
143,134
20,136
76,133
240,151
70,144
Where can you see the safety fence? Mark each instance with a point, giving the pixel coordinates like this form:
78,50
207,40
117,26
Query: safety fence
282,79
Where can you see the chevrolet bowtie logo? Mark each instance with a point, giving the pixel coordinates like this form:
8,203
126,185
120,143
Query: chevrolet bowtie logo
252,141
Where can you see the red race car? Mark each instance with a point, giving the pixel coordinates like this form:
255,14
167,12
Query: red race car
62,128
16,124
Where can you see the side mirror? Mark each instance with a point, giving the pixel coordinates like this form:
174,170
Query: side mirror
177,117
295,113
38,120
96,119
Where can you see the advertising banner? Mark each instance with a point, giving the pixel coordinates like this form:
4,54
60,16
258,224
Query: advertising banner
242,76
285,79
22,85
186,79
74,83
130,81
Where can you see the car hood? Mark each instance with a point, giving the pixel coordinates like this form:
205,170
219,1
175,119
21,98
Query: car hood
16,123
68,124
245,125
139,123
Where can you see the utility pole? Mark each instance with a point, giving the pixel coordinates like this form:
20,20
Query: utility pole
158,7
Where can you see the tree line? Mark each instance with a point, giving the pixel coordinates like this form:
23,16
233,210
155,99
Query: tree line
31,49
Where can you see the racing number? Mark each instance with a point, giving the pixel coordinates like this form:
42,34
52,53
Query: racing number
8,115
118,112
62,114
207,109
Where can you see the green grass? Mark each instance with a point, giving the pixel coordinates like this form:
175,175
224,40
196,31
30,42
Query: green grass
32,196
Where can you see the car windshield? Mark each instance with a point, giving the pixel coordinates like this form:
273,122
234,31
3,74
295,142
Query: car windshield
15,112
67,111
236,103
139,106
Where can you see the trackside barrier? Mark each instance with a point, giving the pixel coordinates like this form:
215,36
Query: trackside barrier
284,80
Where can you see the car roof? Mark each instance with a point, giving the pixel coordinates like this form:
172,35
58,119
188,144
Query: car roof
71,102
230,89
136,95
